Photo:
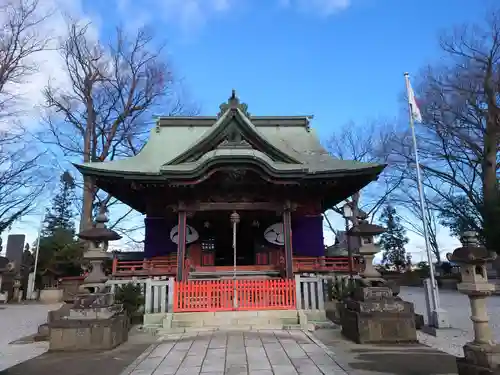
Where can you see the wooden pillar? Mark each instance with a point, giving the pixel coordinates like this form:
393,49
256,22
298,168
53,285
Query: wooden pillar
181,244
287,231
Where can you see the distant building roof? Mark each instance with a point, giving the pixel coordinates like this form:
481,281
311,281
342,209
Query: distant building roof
128,255
361,214
339,248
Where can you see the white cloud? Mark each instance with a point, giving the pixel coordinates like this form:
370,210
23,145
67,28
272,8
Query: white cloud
320,7
187,15
191,15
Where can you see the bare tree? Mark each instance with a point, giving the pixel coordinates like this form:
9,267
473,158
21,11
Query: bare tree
20,179
104,114
407,197
367,143
19,41
459,140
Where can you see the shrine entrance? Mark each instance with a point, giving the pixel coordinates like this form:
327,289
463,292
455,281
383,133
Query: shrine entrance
216,236
246,238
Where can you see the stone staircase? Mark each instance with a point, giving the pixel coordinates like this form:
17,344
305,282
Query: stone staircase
229,320
312,320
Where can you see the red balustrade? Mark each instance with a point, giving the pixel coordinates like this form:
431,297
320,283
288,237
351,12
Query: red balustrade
220,295
164,266
146,267
325,264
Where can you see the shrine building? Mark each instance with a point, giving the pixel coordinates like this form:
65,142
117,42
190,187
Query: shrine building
231,195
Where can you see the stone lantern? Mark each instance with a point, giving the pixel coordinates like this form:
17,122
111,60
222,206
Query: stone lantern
373,314
98,239
94,322
481,356
365,232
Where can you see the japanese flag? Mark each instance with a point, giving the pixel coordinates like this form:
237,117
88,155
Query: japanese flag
415,111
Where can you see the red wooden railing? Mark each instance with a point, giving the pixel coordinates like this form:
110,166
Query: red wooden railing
160,265
168,265
304,264
256,267
218,295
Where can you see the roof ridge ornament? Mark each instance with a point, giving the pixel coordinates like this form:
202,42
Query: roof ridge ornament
233,103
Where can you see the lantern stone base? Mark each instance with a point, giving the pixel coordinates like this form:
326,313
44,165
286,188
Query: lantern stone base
480,359
375,316
94,322
88,334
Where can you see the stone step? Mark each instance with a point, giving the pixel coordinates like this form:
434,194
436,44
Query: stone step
327,324
151,328
271,319
292,326
215,322
172,331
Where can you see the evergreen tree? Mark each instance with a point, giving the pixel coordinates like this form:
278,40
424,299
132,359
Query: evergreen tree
393,241
60,252
60,216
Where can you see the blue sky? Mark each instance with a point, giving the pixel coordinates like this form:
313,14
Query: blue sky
339,60
300,59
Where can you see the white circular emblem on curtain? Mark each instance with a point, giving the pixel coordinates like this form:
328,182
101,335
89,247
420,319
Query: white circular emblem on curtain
191,234
275,234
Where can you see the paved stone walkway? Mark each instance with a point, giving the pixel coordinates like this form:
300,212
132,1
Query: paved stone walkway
16,322
234,353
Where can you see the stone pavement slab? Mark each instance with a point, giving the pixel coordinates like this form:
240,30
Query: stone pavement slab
264,352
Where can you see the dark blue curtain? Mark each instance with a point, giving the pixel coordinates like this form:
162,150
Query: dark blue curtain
157,237
307,236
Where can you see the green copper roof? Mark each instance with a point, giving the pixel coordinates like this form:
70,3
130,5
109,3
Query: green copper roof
188,146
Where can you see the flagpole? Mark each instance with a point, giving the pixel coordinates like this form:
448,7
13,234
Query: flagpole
434,319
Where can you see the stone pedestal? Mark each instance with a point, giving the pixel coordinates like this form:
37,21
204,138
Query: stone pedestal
88,334
374,315
96,279
480,359
94,322
96,260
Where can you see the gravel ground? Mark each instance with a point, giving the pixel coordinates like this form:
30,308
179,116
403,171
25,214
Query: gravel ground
458,309
16,322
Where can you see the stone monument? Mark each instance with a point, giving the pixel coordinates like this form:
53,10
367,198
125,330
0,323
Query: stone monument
95,321
7,274
374,314
481,356
14,251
